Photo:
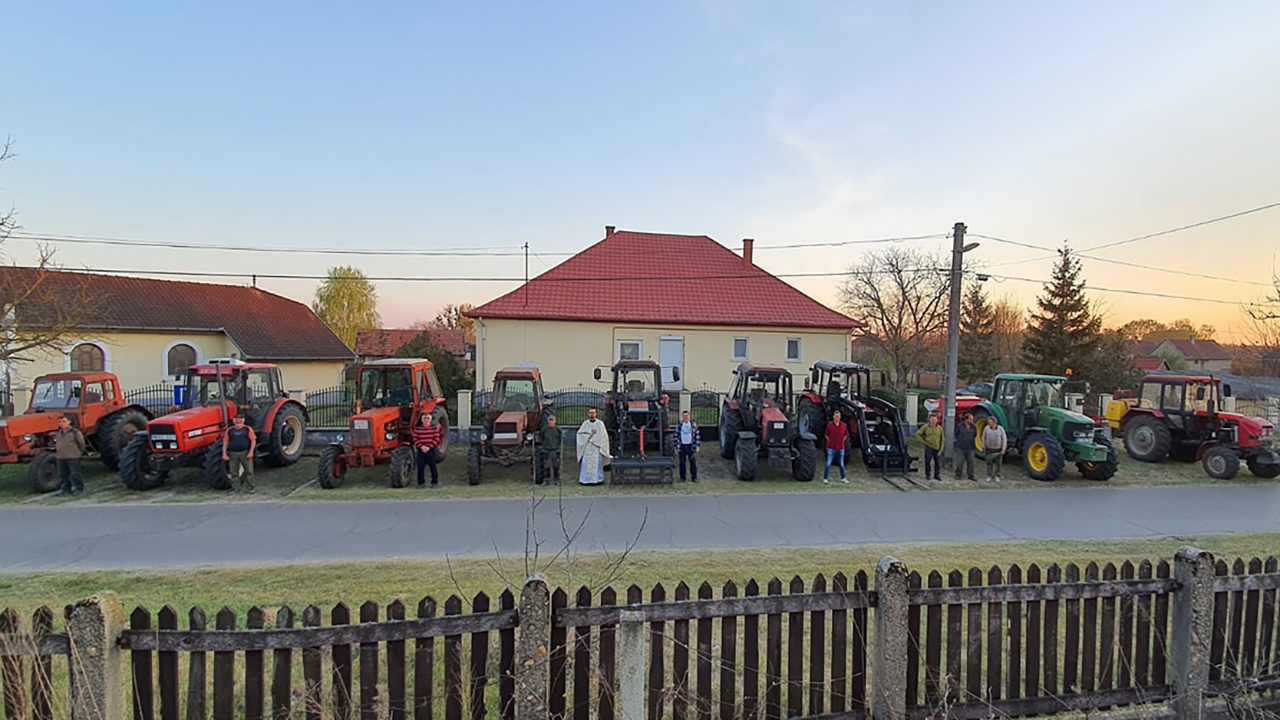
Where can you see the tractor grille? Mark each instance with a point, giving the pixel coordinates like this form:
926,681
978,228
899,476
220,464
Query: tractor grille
505,431
163,437
1079,432
362,437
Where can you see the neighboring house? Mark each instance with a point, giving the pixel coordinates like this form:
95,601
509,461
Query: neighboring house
683,300
384,342
1142,348
1150,364
1197,354
149,331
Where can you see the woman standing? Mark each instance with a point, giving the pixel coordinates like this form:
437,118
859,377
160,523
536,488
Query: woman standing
426,438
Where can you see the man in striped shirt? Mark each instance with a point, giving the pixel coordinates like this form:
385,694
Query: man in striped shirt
426,438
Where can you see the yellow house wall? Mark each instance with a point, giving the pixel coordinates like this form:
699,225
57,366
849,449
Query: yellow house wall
568,352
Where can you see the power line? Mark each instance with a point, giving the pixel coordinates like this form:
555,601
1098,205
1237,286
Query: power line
1143,293
1184,227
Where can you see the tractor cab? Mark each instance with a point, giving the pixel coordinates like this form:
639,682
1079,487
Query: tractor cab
250,389
875,426
635,414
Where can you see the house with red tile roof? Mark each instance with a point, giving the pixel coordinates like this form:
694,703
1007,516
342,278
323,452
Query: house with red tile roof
384,342
148,331
686,301
1197,354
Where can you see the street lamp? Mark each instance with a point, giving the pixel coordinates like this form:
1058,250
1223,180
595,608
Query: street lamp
958,249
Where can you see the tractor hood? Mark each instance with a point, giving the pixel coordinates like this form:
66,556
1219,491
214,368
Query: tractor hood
18,431
186,429
1253,430
508,428
374,420
1069,426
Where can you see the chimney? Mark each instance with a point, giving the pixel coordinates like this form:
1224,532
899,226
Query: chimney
746,251
608,230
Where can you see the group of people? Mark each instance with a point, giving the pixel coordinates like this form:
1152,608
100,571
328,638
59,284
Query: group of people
593,449
994,445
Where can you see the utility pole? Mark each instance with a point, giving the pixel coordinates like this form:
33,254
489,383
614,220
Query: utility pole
953,344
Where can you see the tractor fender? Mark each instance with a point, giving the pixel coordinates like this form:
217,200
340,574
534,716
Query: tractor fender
1204,448
133,406
808,436
270,421
997,412
746,435
1135,410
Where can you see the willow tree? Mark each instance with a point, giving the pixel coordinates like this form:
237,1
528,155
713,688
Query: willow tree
347,302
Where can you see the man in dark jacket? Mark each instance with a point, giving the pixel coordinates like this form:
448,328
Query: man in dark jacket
68,448
966,445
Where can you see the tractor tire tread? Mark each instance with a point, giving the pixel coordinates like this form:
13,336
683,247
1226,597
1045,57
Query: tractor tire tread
109,439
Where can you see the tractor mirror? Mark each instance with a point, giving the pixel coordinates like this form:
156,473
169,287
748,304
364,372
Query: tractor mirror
75,391
597,374
675,374
1226,390
813,378
1200,393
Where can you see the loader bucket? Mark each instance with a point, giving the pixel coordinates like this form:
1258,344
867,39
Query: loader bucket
642,471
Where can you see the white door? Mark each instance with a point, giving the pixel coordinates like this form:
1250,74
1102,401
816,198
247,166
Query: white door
671,355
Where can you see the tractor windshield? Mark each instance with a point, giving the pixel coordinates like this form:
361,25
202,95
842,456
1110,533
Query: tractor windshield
205,389
56,395
638,383
1044,394
515,394
774,387
386,387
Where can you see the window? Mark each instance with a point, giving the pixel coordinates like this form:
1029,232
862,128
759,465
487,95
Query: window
87,357
93,393
740,349
180,357
793,350
630,349
1173,397
259,382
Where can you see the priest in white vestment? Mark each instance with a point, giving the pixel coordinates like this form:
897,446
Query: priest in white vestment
593,449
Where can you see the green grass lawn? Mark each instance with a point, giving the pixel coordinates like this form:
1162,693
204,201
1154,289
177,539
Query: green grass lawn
716,476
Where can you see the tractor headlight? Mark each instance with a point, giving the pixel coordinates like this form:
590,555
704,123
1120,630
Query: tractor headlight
391,436
484,436
528,437
26,438
1083,434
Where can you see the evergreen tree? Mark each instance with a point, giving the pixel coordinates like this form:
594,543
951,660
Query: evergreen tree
977,336
1064,331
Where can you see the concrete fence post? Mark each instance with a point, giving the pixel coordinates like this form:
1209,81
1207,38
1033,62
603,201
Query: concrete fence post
631,633
913,410
464,410
686,401
1192,631
533,653
97,664
889,661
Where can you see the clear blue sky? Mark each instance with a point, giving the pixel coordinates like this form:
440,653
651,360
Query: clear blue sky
443,125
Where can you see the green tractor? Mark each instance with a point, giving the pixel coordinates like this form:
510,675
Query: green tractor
1031,410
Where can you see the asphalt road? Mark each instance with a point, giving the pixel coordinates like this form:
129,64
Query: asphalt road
263,533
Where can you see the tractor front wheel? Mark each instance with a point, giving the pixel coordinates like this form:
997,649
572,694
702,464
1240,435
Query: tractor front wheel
288,436
1221,462
745,456
730,426
1263,470
1146,439
333,467
1104,469
475,466
215,468
1043,457
812,418
135,466
43,473
401,466
115,432
805,466
980,423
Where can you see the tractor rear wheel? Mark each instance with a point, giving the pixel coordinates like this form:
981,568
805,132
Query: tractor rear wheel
1043,457
730,426
811,418
1104,469
475,466
288,436
805,466
1221,462
332,469
215,468
401,469
1146,439
980,423
115,431
43,473
745,456
1263,470
442,421
135,466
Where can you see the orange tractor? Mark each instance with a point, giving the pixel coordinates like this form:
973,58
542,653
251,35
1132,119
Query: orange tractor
394,394
512,425
94,404
210,396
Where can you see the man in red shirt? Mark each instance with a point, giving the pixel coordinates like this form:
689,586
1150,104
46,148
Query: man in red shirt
836,434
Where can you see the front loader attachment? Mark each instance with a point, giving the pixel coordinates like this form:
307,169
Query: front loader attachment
658,470
883,440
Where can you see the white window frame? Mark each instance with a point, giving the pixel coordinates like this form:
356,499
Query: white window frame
66,353
799,358
617,350
164,357
746,342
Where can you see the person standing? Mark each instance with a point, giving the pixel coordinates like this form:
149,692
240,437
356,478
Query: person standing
549,451
238,445
932,436
593,448
994,444
836,433
68,448
689,444
426,438
966,445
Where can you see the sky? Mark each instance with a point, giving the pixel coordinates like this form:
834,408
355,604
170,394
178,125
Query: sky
485,126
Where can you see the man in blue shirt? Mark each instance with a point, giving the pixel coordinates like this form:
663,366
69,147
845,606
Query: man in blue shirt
689,445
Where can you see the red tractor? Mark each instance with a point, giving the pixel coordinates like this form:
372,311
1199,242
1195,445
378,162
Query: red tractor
1178,416
92,401
393,394
210,396
757,418
513,423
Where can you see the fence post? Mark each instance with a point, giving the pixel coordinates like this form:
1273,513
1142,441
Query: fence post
1192,631
913,409
97,665
464,410
533,652
686,401
631,665
889,668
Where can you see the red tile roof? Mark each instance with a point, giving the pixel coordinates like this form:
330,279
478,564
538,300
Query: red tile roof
263,325
1150,363
1200,349
385,342
1143,348
668,279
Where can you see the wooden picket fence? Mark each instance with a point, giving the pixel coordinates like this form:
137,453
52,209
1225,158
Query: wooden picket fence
987,643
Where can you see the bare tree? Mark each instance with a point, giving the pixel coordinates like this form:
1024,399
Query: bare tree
901,294
1260,353
451,317
1009,324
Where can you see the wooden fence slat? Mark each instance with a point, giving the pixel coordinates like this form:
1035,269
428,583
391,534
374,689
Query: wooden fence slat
1014,674
728,659
858,650
1250,647
703,696
1160,631
1142,616
42,667
1217,644
751,659
608,662
13,667
140,665
995,639
1233,651
680,660
424,664
932,649
1031,674
281,671
196,700
795,655
369,668
312,673
635,596
480,660
657,669
1106,636
973,643
913,645
1089,642
817,652
507,663
839,648
453,697
254,679
1267,632
773,659
224,668
1071,642
167,665
582,662
397,681
341,654
1124,653
1053,577
955,648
